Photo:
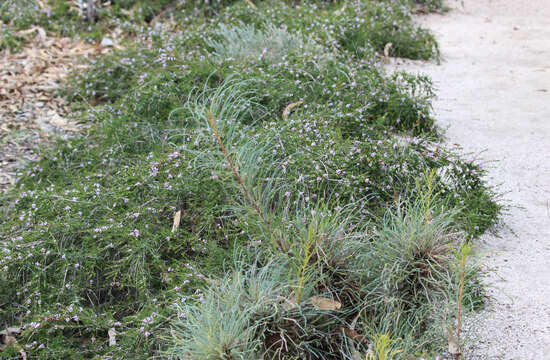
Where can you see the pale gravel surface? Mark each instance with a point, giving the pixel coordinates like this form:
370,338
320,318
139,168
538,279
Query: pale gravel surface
494,98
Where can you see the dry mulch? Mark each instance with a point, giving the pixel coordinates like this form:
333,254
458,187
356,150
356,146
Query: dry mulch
32,113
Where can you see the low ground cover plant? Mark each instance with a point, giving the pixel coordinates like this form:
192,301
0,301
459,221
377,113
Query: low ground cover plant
68,18
256,189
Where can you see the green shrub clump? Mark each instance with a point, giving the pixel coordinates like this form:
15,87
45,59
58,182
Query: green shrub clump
245,191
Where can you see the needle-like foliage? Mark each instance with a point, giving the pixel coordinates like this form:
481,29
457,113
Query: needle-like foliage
272,132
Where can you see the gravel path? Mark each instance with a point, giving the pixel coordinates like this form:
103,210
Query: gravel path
494,98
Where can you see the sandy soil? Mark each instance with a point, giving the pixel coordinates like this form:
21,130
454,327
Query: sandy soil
494,99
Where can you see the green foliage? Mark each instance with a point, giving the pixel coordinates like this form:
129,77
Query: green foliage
305,157
362,27
392,24
382,348
68,18
409,268
10,41
250,315
222,324
243,42
20,13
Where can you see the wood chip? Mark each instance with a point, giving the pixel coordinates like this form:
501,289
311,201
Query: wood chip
29,81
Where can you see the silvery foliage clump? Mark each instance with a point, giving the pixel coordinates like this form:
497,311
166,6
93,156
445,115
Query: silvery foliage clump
225,321
272,43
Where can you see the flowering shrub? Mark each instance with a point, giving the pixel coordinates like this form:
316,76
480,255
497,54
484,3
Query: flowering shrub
206,147
362,28
20,13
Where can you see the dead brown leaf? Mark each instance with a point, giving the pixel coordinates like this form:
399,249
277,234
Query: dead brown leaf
325,303
289,107
251,4
177,219
9,340
354,335
112,337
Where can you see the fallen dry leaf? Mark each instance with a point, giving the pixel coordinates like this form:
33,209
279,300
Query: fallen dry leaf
251,4
112,337
289,107
354,335
62,123
9,340
325,303
177,219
